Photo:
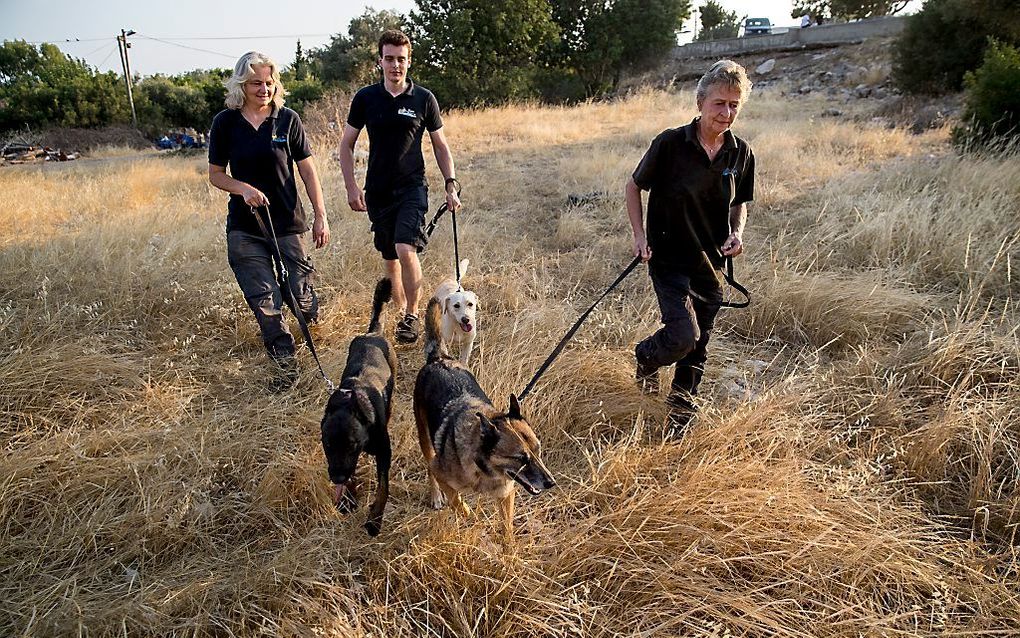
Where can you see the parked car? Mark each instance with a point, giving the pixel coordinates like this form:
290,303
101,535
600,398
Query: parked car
757,26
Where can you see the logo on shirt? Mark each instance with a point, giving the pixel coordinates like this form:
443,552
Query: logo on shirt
280,139
407,112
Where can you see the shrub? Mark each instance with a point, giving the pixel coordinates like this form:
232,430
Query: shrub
992,113
947,38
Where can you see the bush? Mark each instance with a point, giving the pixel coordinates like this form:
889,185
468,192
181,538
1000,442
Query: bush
992,113
947,38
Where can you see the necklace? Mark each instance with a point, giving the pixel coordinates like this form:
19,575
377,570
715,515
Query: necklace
710,149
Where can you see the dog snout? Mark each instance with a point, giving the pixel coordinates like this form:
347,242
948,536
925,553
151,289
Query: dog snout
465,320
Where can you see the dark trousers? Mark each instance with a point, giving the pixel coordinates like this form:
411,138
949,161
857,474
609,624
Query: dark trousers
686,323
252,262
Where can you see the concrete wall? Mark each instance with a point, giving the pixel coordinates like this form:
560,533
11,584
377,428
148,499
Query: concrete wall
823,34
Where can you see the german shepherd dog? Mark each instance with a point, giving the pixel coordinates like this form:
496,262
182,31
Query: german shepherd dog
469,445
358,413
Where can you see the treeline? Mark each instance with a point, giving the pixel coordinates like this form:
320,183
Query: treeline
470,52
478,52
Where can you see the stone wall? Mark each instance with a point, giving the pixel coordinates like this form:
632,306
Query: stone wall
823,34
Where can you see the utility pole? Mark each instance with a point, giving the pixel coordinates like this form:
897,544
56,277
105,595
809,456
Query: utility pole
123,45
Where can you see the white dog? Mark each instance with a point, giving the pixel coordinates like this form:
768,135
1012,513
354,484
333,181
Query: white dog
459,325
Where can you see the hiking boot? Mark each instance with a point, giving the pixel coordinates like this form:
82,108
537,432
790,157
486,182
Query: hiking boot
681,412
646,376
286,375
408,329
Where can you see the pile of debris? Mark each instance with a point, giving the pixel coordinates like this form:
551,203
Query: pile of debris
19,153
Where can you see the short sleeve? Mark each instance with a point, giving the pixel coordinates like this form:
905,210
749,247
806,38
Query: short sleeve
357,117
219,141
745,181
646,172
433,120
300,148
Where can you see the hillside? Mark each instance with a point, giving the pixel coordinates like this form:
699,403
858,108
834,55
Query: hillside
853,471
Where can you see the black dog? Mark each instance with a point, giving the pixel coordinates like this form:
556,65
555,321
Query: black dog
358,414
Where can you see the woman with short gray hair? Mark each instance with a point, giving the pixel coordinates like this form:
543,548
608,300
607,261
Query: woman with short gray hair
261,141
700,178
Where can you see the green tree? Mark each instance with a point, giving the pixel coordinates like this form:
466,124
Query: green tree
947,38
603,38
300,67
847,9
44,87
351,59
473,52
717,23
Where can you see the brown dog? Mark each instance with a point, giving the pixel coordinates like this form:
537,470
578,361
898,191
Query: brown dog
469,445
358,414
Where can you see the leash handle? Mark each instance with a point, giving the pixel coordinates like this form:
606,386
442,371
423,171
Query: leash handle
269,232
577,324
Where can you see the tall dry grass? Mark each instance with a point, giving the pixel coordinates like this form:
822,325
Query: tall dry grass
853,472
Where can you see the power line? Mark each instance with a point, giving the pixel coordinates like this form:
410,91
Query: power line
100,48
258,37
184,46
107,56
67,40
188,39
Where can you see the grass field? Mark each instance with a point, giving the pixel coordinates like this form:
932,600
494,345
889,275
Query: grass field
853,472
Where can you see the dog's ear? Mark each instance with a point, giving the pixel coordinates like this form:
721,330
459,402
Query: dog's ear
515,408
446,304
490,434
365,405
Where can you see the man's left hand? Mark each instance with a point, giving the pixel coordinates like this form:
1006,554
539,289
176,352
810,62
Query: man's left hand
733,245
320,231
452,200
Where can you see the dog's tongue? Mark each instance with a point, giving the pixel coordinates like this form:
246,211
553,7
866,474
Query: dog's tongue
466,327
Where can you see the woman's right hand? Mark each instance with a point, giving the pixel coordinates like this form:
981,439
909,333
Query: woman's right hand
253,196
641,248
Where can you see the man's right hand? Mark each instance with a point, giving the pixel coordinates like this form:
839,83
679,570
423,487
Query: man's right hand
356,199
641,248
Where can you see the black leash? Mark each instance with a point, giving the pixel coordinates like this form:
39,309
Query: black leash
577,324
283,278
725,260
453,217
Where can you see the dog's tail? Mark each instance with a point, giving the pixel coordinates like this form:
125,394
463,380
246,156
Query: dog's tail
383,293
435,349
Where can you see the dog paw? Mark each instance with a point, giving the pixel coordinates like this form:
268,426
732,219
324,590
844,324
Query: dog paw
438,500
373,527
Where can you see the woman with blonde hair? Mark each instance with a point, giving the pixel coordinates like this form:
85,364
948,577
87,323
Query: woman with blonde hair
260,141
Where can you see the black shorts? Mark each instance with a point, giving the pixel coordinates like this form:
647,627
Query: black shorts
398,217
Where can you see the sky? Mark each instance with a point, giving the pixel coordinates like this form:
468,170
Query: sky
178,36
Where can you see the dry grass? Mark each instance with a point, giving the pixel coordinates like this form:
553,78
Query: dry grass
853,474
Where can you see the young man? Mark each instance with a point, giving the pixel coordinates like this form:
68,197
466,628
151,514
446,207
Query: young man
696,217
397,113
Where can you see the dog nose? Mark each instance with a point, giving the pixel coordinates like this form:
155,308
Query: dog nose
465,320
337,479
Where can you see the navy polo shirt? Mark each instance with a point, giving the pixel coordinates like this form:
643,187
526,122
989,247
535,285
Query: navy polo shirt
395,128
265,159
688,199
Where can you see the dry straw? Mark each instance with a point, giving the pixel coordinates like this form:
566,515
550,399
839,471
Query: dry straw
853,472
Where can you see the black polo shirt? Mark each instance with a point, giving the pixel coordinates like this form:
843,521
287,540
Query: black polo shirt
264,159
690,194
395,128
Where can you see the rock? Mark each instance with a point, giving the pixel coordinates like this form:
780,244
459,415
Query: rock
804,89
832,113
862,91
766,66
